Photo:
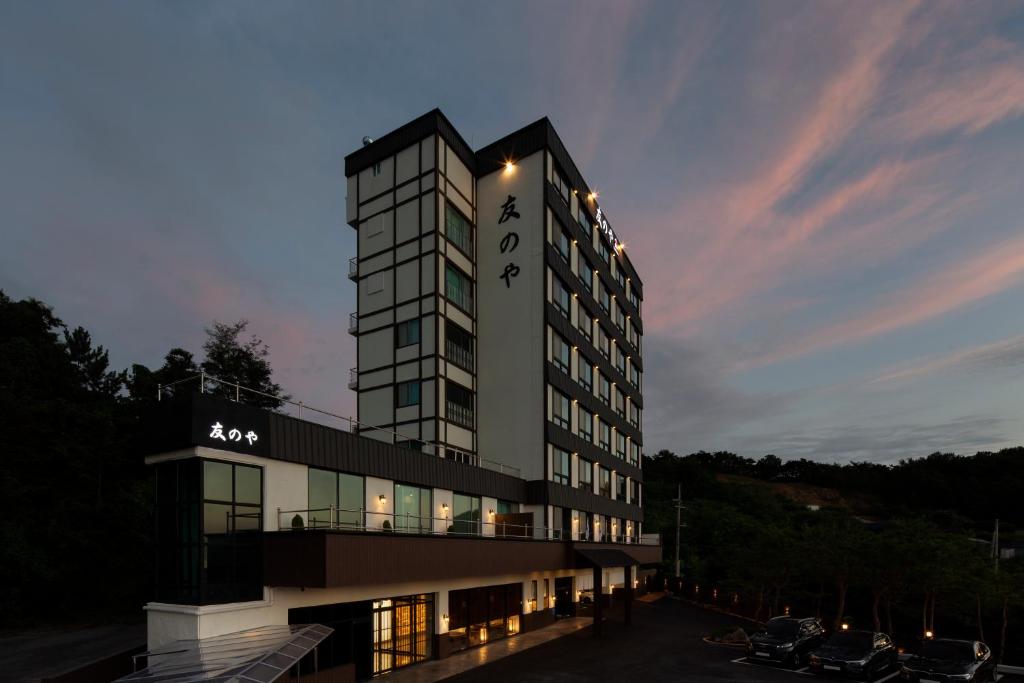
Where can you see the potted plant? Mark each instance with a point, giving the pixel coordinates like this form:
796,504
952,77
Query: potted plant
297,523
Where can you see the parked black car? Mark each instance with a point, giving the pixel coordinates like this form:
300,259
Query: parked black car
787,640
944,661
855,654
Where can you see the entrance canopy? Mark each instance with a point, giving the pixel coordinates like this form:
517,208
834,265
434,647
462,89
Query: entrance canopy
604,558
258,655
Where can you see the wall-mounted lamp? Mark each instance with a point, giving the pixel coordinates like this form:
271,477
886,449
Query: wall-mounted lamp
929,634
845,626
444,618
575,191
444,507
490,513
592,196
509,166
382,499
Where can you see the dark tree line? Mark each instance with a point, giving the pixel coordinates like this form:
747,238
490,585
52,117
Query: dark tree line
911,568
76,536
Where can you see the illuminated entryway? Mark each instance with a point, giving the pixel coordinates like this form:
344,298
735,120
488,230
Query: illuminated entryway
403,629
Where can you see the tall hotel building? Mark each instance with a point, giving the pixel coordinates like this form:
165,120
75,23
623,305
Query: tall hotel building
491,481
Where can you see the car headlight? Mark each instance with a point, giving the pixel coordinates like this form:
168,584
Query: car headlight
786,646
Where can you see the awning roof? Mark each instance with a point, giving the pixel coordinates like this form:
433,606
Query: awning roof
605,557
259,655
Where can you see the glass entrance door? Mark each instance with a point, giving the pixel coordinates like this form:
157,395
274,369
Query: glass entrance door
402,632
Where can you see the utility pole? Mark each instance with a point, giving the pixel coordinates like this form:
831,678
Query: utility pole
679,528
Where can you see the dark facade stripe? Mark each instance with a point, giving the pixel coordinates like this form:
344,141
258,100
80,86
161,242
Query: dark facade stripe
550,493
568,441
559,380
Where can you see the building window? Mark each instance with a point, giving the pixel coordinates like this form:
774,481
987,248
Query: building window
620,403
620,276
634,299
465,514
586,425
620,361
459,403
377,167
634,453
620,318
620,445
602,250
560,294
407,393
412,509
561,354
560,414
559,183
563,242
458,229
620,482
583,219
635,498
343,491
603,343
586,375
586,474
458,345
604,390
634,375
604,299
604,481
634,415
604,435
232,513
585,326
585,272
560,466
458,288
407,333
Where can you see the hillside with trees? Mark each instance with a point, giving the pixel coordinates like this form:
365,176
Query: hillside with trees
909,556
77,542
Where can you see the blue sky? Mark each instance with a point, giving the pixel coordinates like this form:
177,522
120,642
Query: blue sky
823,198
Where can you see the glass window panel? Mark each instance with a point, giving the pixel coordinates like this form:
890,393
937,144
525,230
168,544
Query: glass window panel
351,499
247,518
216,480
323,492
248,485
215,518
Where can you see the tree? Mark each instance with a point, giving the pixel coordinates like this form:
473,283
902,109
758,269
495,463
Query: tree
229,360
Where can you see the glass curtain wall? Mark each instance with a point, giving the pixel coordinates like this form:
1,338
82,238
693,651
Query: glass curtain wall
466,514
481,615
412,509
344,491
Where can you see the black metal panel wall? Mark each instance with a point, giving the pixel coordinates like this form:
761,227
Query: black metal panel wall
549,493
566,440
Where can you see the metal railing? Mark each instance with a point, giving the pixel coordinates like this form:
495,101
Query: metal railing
363,520
353,378
353,267
458,355
210,384
353,323
460,415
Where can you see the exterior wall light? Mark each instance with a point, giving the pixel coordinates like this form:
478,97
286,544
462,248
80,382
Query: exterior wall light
509,166
845,626
490,513
592,196
929,634
382,499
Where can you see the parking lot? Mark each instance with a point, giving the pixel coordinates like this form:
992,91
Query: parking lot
664,644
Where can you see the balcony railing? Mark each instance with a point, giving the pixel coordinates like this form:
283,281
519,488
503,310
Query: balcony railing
459,355
460,415
353,378
364,520
207,383
353,268
353,323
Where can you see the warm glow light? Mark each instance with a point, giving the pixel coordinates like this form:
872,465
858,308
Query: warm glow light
382,498
490,513
592,196
929,634
845,627
509,166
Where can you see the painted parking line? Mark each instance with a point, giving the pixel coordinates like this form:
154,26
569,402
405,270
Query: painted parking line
746,661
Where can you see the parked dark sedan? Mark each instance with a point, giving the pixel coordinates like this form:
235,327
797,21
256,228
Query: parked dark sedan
787,640
855,653
945,661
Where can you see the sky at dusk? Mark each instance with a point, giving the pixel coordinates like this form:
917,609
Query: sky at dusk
825,200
